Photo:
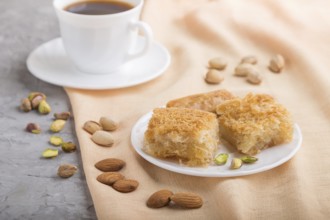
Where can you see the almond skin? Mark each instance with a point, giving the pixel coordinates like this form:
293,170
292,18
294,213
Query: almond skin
159,199
125,185
109,178
187,200
110,165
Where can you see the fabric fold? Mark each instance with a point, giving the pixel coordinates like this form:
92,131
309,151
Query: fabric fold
194,32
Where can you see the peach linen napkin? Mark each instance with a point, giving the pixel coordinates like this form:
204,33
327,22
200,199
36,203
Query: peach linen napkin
194,32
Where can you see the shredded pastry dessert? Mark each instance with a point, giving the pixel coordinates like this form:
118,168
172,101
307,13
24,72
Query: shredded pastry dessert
254,123
188,136
205,101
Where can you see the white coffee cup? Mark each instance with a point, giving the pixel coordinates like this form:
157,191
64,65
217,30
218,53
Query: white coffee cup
101,44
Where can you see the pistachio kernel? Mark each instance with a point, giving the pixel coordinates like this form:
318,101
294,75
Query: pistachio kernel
236,163
50,153
249,159
66,170
56,140
26,105
33,128
34,94
44,107
35,102
62,115
57,125
221,159
68,147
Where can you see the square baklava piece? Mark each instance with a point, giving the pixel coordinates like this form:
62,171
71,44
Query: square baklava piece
188,136
254,123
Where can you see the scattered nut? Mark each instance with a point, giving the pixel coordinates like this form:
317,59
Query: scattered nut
159,199
249,59
187,200
108,124
34,94
109,178
103,138
236,163
125,185
249,159
33,128
243,69
217,63
44,107
92,126
277,63
110,164
56,140
221,159
68,147
57,125
66,170
36,101
26,105
62,115
50,153
213,77
254,77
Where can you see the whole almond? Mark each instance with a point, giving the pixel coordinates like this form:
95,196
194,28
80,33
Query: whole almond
187,200
92,126
108,124
159,199
103,138
276,63
110,164
125,185
109,178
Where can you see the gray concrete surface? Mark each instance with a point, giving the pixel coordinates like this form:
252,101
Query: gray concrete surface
29,186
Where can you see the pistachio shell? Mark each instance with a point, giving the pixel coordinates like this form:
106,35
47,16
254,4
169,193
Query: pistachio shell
103,138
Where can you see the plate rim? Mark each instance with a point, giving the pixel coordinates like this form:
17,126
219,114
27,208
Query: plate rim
35,72
158,162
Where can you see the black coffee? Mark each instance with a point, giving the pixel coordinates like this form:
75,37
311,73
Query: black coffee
98,7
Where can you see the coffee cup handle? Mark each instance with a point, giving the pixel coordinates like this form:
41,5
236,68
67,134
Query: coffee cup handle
147,33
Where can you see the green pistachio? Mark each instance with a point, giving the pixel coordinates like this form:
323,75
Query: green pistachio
56,140
221,159
50,153
57,125
44,107
249,159
33,128
68,147
236,163
34,94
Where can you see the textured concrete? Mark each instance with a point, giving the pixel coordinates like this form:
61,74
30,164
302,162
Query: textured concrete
29,186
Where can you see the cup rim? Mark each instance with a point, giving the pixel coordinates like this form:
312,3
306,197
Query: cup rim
61,9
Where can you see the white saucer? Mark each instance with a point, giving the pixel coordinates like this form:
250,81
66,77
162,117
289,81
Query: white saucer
50,63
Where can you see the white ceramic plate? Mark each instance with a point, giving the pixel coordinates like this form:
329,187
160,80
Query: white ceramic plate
268,159
50,63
